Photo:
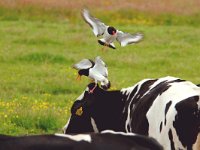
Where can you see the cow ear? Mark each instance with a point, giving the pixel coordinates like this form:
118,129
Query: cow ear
77,108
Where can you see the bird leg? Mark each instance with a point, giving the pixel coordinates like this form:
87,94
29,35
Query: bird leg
92,90
92,80
104,47
78,78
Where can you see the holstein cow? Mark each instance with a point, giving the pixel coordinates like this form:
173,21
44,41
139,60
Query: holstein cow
167,109
108,140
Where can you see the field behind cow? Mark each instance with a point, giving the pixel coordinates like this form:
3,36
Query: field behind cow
40,40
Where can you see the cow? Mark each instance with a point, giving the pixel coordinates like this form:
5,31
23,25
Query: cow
167,109
106,140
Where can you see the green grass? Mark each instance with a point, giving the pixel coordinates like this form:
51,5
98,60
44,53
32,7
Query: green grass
37,83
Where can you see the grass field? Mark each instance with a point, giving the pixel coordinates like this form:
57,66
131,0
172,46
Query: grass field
40,41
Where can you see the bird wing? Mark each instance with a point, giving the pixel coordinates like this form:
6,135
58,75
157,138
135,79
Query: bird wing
97,26
101,67
84,64
127,38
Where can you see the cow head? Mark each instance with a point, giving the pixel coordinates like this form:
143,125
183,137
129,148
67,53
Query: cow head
94,112
81,120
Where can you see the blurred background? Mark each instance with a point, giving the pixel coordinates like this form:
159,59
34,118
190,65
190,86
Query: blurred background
153,12
41,39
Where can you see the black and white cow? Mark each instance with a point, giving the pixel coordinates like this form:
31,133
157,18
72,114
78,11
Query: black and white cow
167,109
107,140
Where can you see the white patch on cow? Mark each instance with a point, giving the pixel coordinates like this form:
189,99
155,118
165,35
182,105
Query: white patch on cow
94,126
196,146
176,141
156,113
198,103
78,137
168,79
121,133
127,91
66,125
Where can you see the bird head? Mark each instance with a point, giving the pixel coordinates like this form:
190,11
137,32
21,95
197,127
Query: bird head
112,30
84,72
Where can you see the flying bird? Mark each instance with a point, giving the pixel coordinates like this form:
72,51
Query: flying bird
110,34
97,71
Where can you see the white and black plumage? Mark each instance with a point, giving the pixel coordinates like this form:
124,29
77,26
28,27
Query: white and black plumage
97,71
110,34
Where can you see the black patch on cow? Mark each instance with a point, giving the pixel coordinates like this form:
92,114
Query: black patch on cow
143,89
123,142
179,80
106,109
139,122
198,85
128,98
128,127
166,110
171,139
132,94
187,121
160,126
134,97
40,142
105,141
167,107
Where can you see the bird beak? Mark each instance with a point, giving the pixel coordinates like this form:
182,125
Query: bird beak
78,78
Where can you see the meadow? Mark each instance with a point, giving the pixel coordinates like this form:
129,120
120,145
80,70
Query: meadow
40,41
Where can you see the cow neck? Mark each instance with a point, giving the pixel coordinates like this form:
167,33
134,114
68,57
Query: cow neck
107,110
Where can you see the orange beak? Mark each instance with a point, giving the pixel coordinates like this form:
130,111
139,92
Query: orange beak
78,78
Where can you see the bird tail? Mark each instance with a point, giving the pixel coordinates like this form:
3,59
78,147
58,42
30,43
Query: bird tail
112,45
103,42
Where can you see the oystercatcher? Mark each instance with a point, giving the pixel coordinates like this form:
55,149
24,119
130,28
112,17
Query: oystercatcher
110,34
97,71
